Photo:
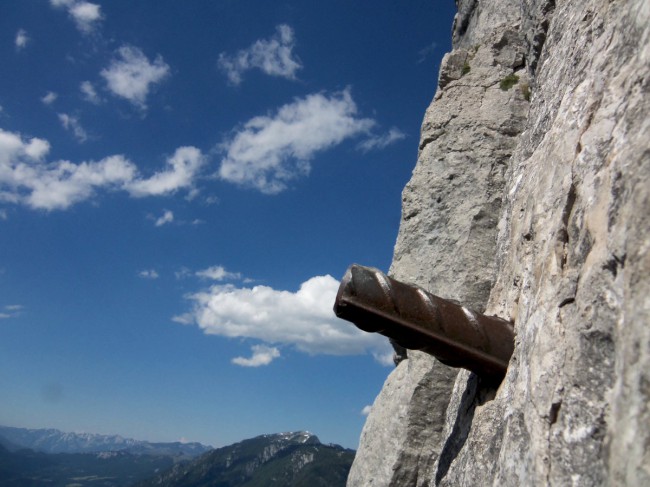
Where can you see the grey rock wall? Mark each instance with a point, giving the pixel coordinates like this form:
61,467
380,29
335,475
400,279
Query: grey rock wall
531,197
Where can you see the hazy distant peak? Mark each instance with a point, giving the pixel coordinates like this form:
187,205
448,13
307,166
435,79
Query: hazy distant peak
56,441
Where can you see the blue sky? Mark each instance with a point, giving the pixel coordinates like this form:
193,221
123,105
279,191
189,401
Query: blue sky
181,186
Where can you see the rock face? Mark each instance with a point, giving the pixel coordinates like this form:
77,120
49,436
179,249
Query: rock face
530,200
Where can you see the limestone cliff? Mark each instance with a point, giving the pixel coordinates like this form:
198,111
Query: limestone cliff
531,200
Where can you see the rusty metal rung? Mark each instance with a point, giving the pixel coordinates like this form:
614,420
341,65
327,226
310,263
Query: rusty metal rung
418,320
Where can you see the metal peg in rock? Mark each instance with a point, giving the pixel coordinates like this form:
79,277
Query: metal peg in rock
418,320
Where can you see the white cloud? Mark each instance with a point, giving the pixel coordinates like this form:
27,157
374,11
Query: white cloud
63,183
11,311
21,39
167,217
25,177
183,272
385,357
184,319
72,124
303,319
86,15
262,355
148,274
377,142
182,169
49,98
3,214
268,151
427,51
89,93
217,273
211,200
192,194
273,56
131,75
12,145
366,410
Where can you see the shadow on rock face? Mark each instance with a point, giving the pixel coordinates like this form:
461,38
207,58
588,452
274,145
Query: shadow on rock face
477,392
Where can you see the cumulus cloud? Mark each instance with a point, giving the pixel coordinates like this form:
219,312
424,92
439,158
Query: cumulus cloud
21,39
131,75
148,274
89,93
27,178
217,273
85,15
181,172
273,56
72,124
378,142
63,183
366,410
49,98
167,217
12,145
262,355
303,319
268,151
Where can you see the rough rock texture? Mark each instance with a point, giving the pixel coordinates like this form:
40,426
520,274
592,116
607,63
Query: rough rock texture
447,238
536,150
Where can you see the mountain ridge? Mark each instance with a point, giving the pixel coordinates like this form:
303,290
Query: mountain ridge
283,459
50,440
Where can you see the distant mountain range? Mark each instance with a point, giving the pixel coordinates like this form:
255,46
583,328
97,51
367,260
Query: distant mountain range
30,458
286,460
55,441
